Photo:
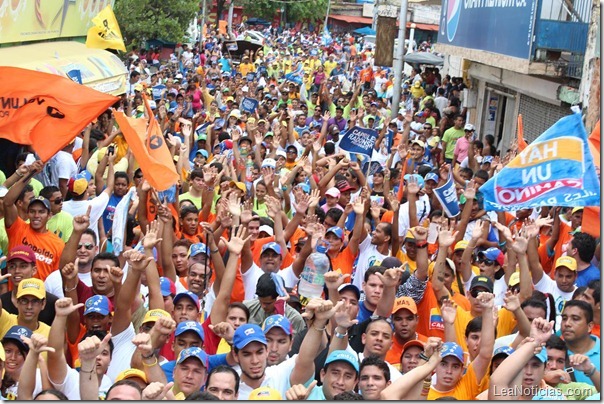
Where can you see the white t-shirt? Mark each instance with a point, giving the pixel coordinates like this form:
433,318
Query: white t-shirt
61,165
123,349
71,385
54,283
11,392
77,208
276,376
422,207
368,256
548,285
250,279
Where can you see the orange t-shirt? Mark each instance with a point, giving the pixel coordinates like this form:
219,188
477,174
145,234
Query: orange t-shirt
298,234
343,261
393,356
47,246
564,238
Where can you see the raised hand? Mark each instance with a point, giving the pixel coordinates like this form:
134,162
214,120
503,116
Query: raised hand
137,260
69,273
541,330
520,244
64,306
234,204
412,185
92,347
446,236
142,342
511,301
486,301
375,209
394,202
448,310
82,222
433,346
156,391
302,204
268,175
150,239
478,229
163,327
420,233
507,233
115,274
470,191
37,344
315,197
238,240
298,392
335,279
223,330
391,277
359,206
402,151
581,362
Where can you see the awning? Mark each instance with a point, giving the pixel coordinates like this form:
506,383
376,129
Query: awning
351,19
99,69
424,27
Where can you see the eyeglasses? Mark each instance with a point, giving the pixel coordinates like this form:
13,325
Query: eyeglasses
475,292
88,246
486,262
26,302
58,201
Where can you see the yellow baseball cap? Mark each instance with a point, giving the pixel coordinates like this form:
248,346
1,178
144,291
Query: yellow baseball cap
461,245
31,287
565,261
578,208
153,315
514,279
265,394
130,374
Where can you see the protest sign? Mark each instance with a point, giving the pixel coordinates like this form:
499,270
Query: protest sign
249,105
447,196
556,169
359,140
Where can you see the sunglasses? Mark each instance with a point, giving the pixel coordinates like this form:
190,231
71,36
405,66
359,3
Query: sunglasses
58,201
475,292
486,262
88,246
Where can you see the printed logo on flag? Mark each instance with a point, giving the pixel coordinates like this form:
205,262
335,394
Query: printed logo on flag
436,320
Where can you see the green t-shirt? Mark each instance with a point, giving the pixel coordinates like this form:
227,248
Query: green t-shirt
576,390
61,224
450,136
187,195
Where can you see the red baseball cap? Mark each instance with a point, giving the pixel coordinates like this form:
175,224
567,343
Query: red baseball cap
22,252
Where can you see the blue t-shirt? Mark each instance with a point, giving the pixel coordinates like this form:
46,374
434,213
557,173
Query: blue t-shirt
214,360
587,275
364,312
594,357
110,211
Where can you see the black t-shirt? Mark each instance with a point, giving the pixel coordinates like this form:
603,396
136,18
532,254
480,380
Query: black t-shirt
46,316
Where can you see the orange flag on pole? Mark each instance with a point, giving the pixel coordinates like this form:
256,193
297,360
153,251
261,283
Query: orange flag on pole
594,144
44,110
150,150
521,142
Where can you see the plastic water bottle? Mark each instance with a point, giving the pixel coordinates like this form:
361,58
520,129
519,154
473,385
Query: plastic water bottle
312,278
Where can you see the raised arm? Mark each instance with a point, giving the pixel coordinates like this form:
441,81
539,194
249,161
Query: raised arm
487,338
57,365
88,351
10,209
27,379
446,238
391,279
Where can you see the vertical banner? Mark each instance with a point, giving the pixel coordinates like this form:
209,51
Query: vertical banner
447,196
384,41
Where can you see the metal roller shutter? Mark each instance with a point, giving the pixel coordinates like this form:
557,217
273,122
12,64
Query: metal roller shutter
538,116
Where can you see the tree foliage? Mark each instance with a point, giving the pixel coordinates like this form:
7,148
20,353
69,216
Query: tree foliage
155,19
294,10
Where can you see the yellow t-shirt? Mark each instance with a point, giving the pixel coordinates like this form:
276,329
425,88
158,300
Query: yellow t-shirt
8,320
466,389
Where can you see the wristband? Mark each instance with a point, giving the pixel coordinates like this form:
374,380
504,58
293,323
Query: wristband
148,357
423,356
341,336
421,244
214,251
150,364
593,370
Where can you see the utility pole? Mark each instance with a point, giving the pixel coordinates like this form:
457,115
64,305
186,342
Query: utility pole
230,19
327,15
398,59
203,22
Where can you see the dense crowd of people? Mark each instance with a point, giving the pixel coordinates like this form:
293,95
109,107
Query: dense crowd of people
113,289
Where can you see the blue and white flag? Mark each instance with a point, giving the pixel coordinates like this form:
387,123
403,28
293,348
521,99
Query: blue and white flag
75,75
249,105
120,217
556,169
296,75
447,196
326,38
157,91
359,140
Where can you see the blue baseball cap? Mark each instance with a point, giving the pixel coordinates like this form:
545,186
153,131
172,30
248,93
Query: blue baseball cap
344,356
487,159
167,287
83,174
271,246
98,304
420,180
277,320
15,333
247,333
189,326
431,176
452,349
493,254
203,152
193,352
542,355
337,231
503,350
188,294
305,187
198,248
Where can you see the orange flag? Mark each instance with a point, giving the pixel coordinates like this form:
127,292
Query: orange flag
222,27
44,110
521,142
594,144
150,150
590,223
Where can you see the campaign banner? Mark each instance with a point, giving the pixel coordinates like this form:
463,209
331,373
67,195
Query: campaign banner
157,90
447,196
359,140
75,75
296,75
556,169
389,139
249,105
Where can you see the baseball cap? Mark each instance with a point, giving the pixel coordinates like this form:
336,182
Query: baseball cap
96,304
514,279
461,245
271,246
333,191
202,136
277,320
493,254
22,252
419,142
193,352
413,342
267,229
280,153
420,179
132,373
431,176
239,185
578,208
269,163
189,326
188,294
31,287
542,355
15,333
350,286
404,302
468,126
343,356
409,236
203,152
167,286
451,264
198,248
452,349
265,394
487,159
152,315
337,231
568,262
343,186
391,262
483,282
247,333
43,201
503,350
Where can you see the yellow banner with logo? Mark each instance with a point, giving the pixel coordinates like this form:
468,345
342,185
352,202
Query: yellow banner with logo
105,32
